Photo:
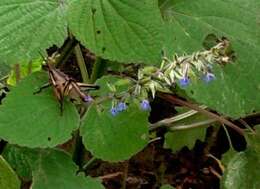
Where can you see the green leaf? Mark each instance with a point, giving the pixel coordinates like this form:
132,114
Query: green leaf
29,27
20,160
242,171
180,138
253,139
56,170
121,30
115,138
235,91
8,178
35,120
167,186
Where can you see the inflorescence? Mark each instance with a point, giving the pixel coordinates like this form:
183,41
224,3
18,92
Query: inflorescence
177,71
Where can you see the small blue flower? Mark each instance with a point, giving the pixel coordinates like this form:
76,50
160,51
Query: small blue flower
88,98
209,77
145,105
121,107
114,111
184,81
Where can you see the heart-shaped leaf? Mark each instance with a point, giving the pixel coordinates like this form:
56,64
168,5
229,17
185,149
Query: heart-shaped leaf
235,91
35,120
115,138
121,30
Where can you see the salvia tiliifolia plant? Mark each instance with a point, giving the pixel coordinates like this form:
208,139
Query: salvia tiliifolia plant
129,94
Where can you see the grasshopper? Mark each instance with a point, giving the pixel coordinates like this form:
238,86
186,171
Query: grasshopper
63,85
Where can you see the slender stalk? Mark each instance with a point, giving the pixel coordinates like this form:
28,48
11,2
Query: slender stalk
126,164
81,64
222,120
169,121
228,137
193,125
29,71
97,69
246,125
89,163
66,51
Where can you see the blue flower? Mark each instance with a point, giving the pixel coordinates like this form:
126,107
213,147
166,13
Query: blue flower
121,107
114,111
184,81
88,98
145,105
209,77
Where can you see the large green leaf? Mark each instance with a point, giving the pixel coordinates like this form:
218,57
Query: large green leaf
29,27
52,169
35,120
56,170
236,90
242,171
115,138
178,139
121,30
8,178
21,159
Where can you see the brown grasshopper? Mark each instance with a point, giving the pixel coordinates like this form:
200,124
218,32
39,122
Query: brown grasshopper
63,86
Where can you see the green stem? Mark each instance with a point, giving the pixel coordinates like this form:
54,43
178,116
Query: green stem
29,71
97,69
81,64
193,125
212,115
228,137
89,163
169,121
66,51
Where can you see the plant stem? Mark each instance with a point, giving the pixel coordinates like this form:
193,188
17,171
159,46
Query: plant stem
66,51
228,137
169,121
222,120
89,163
97,69
193,125
126,164
81,64
29,71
